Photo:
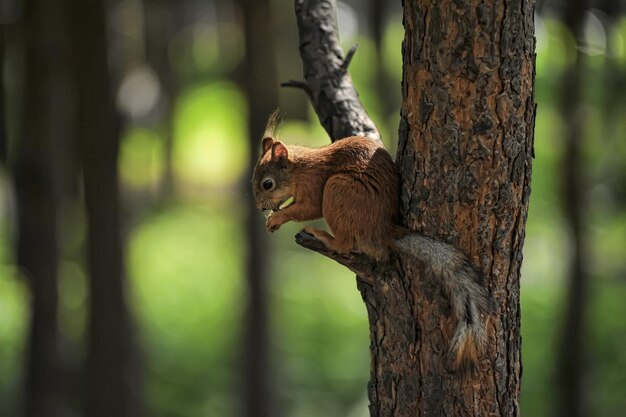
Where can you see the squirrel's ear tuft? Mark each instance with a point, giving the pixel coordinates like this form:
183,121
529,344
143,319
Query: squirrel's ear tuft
273,123
266,144
279,152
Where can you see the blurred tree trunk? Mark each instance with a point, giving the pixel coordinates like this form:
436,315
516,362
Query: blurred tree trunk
36,173
294,106
260,83
161,26
464,153
573,400
4,142
386,90
110,372
613,169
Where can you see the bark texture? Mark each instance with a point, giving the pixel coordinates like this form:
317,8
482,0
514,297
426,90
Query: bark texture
465,150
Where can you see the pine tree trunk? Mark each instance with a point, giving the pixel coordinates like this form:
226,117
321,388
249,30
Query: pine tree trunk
465,148
464,154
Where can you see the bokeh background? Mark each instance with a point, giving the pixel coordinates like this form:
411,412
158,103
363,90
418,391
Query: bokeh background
181,81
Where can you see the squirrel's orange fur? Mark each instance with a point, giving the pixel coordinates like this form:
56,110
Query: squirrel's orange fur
341,182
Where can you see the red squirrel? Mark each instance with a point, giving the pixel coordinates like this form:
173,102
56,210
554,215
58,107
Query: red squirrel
354,185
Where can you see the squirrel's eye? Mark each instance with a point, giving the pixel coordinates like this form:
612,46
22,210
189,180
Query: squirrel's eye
268,184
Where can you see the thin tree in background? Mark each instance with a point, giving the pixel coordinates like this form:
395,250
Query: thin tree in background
3,116
613,169
573,398
293,106
261,91
384,85
36,168
162,19
464,155
110,388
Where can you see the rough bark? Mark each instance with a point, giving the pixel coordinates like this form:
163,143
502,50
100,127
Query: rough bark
465,149
573,398
260,84
109,388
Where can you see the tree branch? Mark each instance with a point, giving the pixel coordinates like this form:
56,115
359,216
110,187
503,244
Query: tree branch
326,78
348,59
357,263
297,84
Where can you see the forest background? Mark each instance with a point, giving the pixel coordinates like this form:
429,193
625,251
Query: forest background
180,83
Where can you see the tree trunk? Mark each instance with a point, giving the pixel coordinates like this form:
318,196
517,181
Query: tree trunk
260,84
464,155
110,375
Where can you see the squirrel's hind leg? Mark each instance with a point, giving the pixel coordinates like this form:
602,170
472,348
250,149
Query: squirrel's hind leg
329,240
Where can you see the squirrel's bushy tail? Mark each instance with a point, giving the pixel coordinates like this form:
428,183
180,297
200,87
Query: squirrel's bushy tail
461,284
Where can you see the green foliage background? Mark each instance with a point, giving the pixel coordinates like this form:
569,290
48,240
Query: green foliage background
185,258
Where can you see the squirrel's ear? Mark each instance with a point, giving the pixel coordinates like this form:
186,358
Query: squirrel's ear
266,144
279,152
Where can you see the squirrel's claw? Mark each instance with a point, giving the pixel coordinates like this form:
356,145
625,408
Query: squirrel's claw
273,222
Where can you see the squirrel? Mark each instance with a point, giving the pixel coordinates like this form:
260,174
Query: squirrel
354,185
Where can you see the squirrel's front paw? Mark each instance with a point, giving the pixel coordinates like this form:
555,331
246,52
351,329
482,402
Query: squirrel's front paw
273,223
